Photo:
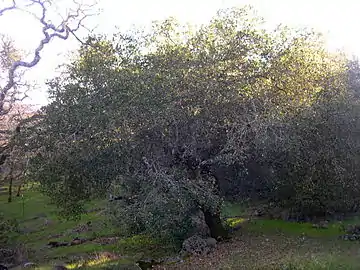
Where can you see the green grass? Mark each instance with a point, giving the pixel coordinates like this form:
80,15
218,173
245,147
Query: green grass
293,228
31,205
39,223
261,244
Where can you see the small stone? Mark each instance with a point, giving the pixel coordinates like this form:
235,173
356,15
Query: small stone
196,245
211,242
321,225
30,265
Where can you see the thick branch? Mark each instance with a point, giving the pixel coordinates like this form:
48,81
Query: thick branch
2,10
61,32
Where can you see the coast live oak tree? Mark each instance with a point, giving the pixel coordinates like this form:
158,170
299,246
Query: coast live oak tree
156,115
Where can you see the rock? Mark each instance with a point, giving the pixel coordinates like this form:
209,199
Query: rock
172,260
352,233
321,225
211,242
196,245
350,237
30,265
353,229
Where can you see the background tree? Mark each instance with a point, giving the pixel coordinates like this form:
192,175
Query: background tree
13,159
8,55
13,88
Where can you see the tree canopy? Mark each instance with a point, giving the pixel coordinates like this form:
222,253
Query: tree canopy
155,116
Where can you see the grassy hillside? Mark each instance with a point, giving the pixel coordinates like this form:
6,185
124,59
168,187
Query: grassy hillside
39,224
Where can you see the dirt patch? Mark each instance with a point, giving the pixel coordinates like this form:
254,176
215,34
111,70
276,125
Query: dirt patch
259,252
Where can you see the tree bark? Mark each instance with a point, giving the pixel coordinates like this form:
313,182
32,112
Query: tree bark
215,225
18,191
212,220
10,189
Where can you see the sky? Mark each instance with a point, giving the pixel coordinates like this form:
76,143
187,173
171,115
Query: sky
338,20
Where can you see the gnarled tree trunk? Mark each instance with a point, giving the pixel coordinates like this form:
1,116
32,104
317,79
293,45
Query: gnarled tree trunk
212,219
215,225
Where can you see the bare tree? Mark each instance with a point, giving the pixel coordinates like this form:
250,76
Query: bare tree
13,159
71,22
13,88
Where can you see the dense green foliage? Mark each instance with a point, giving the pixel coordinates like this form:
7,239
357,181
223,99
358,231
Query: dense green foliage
316,168
166,119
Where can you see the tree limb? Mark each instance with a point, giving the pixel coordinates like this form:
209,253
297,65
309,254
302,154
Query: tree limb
62,31
2,10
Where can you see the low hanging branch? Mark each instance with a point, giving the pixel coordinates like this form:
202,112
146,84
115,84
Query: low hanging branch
49,31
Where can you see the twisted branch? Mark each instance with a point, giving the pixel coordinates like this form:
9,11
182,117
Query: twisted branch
49,31
13,6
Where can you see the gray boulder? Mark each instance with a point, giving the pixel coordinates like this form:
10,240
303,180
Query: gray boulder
196,245
30,265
